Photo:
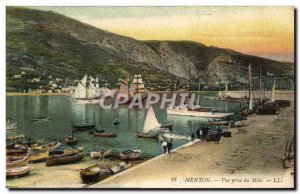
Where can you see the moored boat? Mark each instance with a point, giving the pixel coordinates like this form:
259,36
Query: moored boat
71,140
40,119
84,127
103,134
17,172
12,162
116,121
95,173
64,159
130,155
120,167
50,146
98,154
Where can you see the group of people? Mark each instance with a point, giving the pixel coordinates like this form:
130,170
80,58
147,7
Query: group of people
201,133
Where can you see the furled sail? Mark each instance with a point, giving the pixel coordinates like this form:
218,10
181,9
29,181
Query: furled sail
273,92
151,121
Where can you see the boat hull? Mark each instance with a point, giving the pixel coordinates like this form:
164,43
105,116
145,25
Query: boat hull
17,172
23,161
198,114
84,127
96,134
94,173
130,155
63,159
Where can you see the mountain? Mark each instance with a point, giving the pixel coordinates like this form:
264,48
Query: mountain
43,43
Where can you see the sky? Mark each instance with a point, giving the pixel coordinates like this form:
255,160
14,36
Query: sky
261,31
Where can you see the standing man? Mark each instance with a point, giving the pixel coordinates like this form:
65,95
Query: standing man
169,145
198,135
164,146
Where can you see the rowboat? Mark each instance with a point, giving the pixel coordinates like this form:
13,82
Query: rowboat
96,134
116,121
95,173
71,141
38,155
130,154
73,151
98,154
49,146
13,138
12,162
16,150
17,172
120,167
84,127
11,126
64,159
40,119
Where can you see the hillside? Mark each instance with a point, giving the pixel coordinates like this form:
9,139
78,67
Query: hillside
42,43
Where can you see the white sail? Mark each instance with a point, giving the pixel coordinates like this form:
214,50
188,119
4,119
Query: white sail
273,92
250,89
151,121
80,91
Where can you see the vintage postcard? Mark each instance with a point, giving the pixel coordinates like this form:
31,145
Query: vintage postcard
150,97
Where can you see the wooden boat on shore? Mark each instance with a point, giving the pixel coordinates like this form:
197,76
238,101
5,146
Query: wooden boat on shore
40,119
14,138
130,155
17,172
12,162
103,134
98,154
16,150
64,159
120,167
95,173
52,146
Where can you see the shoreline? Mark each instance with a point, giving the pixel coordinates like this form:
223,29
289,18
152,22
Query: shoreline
254,156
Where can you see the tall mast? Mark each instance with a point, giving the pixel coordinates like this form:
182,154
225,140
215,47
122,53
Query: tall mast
250,88
72,130
260,84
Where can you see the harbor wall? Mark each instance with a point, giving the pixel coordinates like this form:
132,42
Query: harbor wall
279,95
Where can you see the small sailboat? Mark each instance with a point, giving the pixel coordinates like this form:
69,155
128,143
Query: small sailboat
151,127
71,140
116,121
86,126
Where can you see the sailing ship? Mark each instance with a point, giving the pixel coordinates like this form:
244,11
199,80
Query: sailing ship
269,107
152,127
136,86
88,91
